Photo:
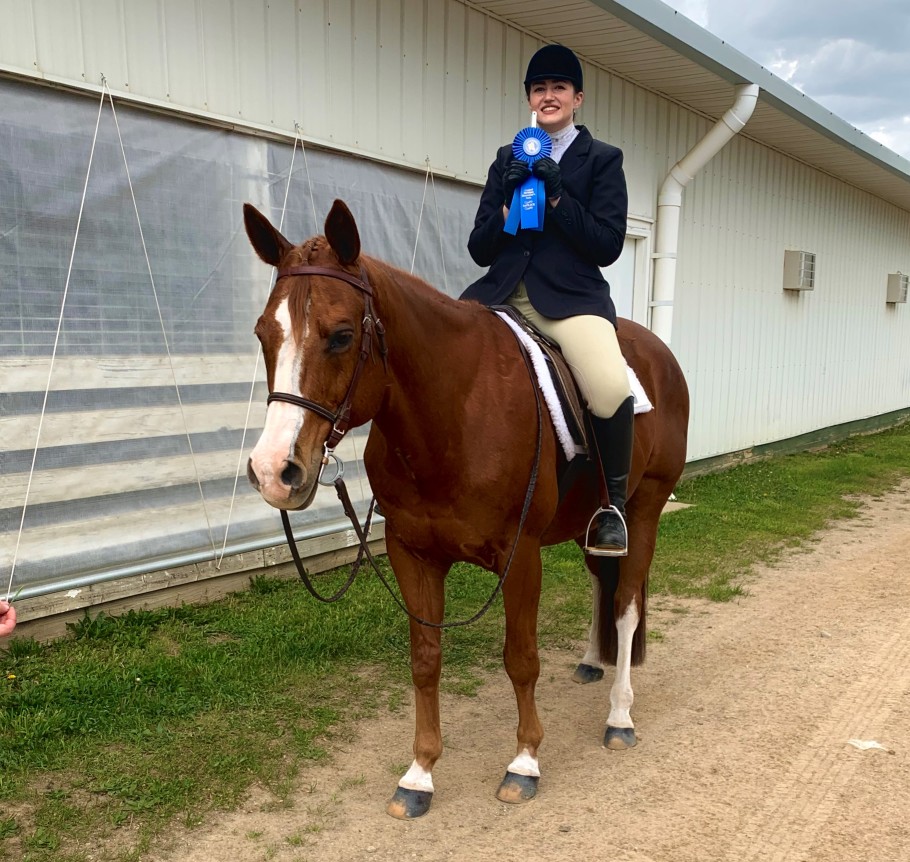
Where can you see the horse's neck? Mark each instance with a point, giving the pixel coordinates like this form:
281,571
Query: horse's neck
437,346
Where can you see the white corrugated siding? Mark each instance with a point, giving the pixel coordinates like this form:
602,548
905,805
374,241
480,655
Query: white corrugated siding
765,364
399,79
407,80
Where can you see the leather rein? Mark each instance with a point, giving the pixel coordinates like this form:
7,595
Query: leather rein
341,424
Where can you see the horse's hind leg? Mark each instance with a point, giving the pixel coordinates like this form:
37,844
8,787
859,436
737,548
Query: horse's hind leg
521,596
629,611
591,668
423,588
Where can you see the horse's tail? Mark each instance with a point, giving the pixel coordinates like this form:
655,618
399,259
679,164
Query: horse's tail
606,570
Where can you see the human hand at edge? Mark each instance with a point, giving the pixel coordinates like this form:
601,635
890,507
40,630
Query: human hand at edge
7,619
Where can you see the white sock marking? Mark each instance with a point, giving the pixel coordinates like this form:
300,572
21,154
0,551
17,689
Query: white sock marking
525,764
417,778
621,694
592,656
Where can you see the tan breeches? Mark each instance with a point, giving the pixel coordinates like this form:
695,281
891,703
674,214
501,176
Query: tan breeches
591,349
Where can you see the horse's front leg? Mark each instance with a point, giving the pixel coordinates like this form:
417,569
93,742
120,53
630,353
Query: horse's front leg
423,590
521,596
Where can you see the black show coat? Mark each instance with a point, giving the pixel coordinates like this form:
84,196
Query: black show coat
559,264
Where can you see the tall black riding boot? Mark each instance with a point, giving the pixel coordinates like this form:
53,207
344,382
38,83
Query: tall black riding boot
612,442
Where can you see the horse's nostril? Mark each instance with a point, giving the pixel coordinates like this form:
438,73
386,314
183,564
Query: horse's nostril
292,476
251,474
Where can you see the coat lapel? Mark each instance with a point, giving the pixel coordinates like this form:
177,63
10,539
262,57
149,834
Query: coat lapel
574,157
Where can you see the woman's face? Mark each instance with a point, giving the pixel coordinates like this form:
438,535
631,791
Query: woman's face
555,103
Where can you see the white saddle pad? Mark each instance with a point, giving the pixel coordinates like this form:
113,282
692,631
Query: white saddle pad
642,402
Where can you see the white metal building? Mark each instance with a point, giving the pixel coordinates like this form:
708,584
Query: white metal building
401,105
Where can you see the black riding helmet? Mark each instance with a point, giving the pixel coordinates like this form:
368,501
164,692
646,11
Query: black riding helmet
554,63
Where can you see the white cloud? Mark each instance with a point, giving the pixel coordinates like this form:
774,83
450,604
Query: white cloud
852,57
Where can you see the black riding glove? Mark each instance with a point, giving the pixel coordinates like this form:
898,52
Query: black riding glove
548,171
516,173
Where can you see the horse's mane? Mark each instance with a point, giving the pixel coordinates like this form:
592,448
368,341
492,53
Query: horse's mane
387,280
419,293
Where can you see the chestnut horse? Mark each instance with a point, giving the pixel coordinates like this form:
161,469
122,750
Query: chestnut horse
450,451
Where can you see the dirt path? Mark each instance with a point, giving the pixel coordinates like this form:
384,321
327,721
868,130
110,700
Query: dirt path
744,711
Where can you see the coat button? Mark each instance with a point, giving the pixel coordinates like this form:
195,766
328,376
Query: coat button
527,254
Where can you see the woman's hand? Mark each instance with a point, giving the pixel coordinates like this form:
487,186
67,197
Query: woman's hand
516,173
548,171
7,619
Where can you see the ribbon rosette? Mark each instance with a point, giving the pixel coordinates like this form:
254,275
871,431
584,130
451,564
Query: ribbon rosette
527,206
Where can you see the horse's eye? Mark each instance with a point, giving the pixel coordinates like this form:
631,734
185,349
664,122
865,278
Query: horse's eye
340,341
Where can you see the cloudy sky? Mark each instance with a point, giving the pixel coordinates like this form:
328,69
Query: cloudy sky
852,56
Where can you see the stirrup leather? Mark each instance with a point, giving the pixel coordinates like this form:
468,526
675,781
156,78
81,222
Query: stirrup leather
592,549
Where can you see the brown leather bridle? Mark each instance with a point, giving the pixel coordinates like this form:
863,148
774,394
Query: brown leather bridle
341,418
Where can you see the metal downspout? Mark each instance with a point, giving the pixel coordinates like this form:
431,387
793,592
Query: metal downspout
669,203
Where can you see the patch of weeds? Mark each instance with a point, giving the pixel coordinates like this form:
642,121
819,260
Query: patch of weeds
395,700
42,839
348,783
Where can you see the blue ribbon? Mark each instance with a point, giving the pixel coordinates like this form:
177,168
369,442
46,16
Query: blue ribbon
529,200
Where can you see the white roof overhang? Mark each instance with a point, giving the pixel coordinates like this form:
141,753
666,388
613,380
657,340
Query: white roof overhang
652,45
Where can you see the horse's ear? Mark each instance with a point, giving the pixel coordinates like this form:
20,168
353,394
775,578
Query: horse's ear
270,245
341,232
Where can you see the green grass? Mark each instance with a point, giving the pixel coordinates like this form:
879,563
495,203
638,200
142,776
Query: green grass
155,717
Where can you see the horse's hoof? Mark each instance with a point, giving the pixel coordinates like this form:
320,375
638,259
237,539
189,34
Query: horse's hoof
408,804
585,673
517,788
619,738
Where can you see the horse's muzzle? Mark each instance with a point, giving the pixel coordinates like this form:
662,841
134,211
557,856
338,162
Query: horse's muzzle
284,488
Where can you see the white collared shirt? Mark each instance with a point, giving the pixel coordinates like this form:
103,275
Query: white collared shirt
561,140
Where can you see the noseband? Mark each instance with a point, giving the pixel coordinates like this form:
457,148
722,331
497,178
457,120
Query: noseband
341,418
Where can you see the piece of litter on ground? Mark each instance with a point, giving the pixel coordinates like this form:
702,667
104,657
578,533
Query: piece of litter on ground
866,744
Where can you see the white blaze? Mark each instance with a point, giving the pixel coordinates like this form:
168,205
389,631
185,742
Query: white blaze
283,422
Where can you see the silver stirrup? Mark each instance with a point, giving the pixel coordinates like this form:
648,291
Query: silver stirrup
593,550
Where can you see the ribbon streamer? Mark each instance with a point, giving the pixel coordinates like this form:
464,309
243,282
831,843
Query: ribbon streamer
528,201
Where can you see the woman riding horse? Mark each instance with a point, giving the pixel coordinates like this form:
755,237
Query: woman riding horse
552,276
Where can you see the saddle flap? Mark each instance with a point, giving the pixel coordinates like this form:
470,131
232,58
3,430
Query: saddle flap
570,398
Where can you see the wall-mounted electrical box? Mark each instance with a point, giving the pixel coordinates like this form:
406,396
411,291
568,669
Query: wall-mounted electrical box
898,284
799,270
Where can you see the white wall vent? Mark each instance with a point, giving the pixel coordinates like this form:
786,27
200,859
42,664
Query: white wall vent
898,285
799,270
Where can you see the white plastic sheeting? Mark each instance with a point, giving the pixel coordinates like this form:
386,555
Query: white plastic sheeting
115,488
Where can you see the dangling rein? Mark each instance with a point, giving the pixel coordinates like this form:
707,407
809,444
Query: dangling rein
341,424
